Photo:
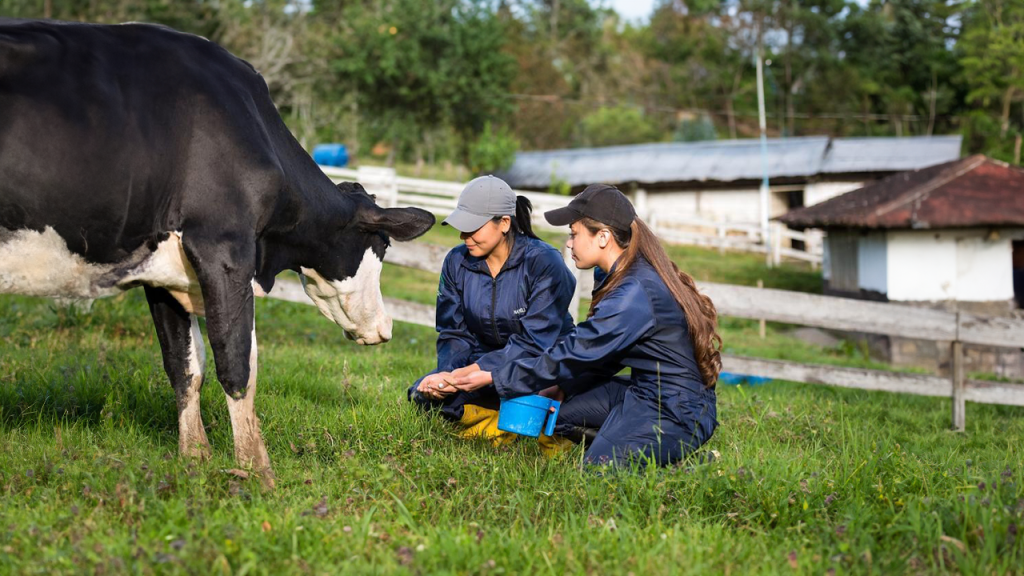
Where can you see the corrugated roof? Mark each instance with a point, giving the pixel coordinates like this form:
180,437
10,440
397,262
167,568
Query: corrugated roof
974,191
727,160
889,154
720,160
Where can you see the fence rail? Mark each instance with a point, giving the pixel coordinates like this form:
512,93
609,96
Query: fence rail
795,308
440,197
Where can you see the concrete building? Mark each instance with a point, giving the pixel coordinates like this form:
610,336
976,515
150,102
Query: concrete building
949,236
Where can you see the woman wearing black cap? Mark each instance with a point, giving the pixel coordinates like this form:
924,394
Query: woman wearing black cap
504,295
645,315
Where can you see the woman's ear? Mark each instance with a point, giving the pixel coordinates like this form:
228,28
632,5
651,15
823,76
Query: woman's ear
506,224
602,239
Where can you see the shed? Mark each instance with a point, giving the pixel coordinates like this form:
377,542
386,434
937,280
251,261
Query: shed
948,233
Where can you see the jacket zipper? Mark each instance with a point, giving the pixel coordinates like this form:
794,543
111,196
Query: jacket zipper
494,304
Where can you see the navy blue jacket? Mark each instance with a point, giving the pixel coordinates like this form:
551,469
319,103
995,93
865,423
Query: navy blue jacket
637,325
494,321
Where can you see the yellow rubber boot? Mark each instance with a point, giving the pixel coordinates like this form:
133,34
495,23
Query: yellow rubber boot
552,446
482,423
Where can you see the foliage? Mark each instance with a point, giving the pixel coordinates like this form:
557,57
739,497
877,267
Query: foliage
695,130
616,125
424,78
494,150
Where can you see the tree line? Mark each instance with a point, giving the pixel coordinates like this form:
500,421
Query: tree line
472,81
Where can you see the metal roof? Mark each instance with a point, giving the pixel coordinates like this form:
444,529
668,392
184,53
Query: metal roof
727,160
889,154
972,192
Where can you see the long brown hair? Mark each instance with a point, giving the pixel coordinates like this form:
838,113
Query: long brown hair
701,316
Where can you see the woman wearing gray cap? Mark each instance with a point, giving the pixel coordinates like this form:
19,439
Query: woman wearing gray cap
645,315
504,295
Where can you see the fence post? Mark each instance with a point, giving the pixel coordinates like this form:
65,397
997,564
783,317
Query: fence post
776,243
381,181
957,373
640,203
574,304
762,326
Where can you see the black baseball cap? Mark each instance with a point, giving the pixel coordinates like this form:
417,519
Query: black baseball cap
600,202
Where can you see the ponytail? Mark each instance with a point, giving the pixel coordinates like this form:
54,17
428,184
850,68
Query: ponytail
522,222
701,315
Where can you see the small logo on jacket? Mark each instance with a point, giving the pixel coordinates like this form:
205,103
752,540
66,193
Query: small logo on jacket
519,311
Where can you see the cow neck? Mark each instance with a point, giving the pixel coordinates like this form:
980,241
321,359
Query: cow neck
312,214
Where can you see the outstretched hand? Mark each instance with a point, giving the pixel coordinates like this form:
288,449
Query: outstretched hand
473,381
437,386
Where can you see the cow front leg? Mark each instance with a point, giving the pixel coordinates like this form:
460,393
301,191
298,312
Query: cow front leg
184,355
226,279
249,447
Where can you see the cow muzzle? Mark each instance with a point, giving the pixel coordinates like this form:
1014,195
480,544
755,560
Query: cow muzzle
355,304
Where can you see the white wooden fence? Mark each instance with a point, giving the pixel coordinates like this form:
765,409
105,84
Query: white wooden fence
440,197
796,308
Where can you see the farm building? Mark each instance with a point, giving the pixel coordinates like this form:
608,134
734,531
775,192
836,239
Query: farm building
719,180
948,236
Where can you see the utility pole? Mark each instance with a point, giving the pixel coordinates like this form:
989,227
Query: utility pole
765,191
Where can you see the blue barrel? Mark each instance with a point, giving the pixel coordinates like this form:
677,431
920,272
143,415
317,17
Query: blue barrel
737,379
330,155
527,415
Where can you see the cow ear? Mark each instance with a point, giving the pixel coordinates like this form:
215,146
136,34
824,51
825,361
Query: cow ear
402,224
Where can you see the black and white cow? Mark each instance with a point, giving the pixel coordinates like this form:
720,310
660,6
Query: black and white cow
135,155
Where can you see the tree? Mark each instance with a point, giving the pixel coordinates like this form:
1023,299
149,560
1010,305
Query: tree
993,55
617,125
417,66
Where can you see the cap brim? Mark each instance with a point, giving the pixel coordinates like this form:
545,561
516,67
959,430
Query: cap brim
562,216
465,221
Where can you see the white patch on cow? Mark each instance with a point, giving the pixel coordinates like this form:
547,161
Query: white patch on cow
257,290
40,264
192,439
354,303
245,425
168,268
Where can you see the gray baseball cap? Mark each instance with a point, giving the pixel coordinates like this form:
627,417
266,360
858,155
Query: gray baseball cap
483,198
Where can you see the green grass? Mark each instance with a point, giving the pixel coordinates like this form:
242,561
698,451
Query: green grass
811,479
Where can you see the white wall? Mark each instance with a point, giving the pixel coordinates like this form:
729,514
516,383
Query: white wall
948,265
872,259
720,205
821,191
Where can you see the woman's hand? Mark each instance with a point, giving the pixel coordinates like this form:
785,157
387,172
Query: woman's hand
437,386
466,370
473,381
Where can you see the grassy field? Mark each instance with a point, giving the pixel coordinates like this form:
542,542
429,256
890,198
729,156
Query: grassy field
810,480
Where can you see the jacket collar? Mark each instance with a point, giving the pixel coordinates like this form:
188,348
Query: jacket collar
515,258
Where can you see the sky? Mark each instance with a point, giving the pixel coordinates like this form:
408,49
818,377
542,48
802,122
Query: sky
633,9
641,9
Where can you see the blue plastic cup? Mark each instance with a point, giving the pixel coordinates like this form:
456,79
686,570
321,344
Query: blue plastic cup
527,415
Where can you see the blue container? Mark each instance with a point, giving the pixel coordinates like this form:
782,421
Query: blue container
737,379
527,415
330,155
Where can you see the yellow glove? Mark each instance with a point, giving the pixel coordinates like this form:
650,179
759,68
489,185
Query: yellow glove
552,446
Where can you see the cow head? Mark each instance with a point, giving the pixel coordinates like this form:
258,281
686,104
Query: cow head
345,282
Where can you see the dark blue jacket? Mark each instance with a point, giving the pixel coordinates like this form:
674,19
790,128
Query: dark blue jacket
637,325
493,321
